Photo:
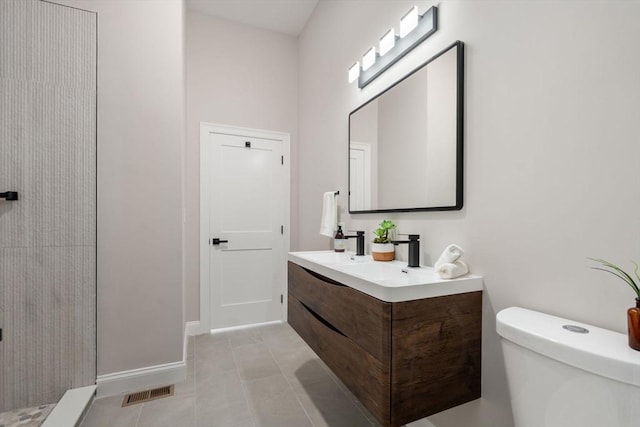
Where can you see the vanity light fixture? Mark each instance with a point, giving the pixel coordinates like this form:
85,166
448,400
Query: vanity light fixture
414,29
409,22
354,72
368,59
387,42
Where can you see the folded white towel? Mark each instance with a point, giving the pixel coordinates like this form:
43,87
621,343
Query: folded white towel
451,270
329,221
450,254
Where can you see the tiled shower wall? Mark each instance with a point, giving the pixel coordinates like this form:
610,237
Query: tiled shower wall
48,236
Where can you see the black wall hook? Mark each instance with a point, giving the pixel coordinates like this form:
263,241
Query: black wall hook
9,195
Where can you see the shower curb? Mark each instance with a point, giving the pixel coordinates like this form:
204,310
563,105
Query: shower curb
71,408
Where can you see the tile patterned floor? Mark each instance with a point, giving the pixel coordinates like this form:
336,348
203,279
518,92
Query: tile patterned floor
260,376
28,417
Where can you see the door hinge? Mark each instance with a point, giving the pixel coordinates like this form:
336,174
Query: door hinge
282,160
282,229
281,299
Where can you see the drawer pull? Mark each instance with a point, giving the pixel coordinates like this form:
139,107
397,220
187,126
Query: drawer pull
321,320
324,279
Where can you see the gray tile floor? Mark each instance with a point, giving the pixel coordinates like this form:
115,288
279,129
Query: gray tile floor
260,376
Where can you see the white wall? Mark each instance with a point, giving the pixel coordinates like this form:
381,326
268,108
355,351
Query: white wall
241,76
401,147
552,140
440,164
140,145
363,130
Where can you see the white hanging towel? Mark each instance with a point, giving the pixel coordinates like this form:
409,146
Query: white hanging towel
329,222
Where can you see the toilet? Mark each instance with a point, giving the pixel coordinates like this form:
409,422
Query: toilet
563,373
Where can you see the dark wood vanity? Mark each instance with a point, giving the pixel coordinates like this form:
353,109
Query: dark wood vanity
403,360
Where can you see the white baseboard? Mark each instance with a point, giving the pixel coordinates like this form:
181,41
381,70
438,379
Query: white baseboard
193,328
140,379
150,376
251,325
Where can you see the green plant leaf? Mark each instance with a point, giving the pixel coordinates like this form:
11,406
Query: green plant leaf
618,272
627,277
615,274
382,232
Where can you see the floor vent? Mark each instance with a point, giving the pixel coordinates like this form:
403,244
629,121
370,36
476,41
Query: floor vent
147,395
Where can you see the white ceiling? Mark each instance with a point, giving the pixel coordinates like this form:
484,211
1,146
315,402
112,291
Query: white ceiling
284,16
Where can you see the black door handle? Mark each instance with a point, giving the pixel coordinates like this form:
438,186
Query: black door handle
9,195
217,241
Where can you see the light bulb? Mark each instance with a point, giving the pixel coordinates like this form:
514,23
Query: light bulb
409,21
354,72
387,42
368,59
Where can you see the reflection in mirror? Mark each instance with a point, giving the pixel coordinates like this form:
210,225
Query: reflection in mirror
405,145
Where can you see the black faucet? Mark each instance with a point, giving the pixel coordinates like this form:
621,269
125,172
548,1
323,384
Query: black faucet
414,249
359,242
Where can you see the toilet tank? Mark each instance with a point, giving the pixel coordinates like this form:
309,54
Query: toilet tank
559,375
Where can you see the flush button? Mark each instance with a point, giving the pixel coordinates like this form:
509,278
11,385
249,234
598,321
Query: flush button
576,329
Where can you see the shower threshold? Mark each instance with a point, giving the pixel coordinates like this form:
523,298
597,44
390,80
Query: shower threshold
71,408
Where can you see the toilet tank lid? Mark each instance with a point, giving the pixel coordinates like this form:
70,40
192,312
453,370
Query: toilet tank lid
601,351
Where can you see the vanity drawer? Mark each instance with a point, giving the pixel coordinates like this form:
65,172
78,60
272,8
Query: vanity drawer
436,356
363,318
363,374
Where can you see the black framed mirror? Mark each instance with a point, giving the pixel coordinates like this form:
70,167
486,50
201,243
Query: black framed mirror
406,144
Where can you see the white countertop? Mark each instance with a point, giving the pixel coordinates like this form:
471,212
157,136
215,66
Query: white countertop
390,281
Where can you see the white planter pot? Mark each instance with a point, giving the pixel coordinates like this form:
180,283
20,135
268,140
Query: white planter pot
383,251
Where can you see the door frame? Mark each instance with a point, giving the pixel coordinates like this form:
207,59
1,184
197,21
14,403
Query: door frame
365,147
205,233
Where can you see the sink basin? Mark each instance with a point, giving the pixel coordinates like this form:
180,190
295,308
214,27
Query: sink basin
333,258
393,273
389,281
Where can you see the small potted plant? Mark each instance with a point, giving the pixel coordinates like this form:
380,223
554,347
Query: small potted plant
633,314
382,248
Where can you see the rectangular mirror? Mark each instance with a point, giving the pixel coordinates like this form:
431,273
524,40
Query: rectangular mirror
405,145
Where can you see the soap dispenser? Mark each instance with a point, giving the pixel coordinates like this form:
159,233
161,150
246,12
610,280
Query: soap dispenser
339,241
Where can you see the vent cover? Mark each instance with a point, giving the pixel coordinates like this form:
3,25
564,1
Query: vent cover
147,395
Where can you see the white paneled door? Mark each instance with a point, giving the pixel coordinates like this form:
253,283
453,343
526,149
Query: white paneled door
359,176
247,258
